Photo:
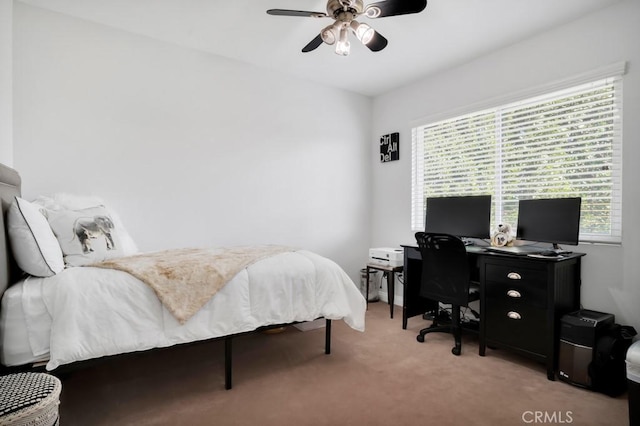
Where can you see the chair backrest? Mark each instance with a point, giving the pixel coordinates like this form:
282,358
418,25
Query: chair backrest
445,269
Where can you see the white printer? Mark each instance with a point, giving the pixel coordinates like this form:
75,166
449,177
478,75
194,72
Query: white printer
386,256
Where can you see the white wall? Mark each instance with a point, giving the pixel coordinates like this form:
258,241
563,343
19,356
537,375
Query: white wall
191,149
6,82
610,274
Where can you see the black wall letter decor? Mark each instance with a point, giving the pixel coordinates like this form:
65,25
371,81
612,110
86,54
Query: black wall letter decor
390,147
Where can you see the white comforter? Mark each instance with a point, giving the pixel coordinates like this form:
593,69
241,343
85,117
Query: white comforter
89,312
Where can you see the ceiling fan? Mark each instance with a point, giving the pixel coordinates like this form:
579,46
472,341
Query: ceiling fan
344,13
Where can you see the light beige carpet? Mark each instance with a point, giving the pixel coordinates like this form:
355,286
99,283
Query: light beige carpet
380,377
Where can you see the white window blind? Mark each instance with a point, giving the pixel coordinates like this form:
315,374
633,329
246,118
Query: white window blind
563,144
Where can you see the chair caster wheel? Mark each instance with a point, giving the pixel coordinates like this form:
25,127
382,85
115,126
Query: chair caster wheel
420,338
456,351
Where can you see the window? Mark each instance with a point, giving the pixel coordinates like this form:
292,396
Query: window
562,144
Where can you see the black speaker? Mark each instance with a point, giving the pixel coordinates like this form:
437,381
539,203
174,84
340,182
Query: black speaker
579,332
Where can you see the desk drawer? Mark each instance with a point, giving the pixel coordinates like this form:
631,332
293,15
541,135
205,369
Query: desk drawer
517,294
516,325
502,273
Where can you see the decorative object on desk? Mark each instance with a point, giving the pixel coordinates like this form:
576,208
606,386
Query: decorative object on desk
502,236
390,147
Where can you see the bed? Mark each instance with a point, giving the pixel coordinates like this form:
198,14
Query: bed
95,310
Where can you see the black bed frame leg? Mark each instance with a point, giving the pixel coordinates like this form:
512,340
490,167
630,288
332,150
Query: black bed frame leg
327,338
227,363
228,353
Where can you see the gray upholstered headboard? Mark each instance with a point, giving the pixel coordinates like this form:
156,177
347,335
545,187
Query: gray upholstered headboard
9,188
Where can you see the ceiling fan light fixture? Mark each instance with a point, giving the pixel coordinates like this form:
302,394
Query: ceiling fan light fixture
329,35
373,12
344,14
343,47
363,32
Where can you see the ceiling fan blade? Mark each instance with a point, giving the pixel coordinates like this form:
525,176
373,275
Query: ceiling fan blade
377,42
382,9
303,13
313,44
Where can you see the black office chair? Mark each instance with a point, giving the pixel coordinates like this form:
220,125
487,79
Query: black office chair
445,278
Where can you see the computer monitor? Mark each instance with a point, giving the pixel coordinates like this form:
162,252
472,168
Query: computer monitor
550,220
463,216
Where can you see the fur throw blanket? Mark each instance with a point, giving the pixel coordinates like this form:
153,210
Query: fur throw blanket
186,279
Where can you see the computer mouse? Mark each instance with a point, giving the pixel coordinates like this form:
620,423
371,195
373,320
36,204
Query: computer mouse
549,253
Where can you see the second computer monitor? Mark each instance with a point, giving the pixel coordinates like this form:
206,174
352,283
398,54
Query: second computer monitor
551,220
462,216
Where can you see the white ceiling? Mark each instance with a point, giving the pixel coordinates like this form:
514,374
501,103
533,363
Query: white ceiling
445,34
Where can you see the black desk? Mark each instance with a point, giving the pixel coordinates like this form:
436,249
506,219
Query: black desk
522,299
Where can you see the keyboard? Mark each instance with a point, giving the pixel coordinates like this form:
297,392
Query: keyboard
518,250
475,249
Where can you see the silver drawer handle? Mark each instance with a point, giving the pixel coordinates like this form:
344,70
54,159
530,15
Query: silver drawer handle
514,276
514,293
514,315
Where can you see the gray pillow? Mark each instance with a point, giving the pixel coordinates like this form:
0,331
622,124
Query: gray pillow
34,245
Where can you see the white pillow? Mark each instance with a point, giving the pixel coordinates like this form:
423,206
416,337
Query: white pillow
85,236
34,245
64,201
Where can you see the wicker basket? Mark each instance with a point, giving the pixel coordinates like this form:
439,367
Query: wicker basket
29,399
